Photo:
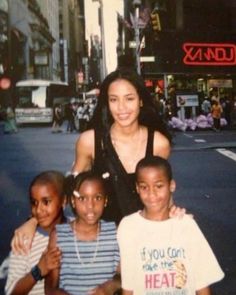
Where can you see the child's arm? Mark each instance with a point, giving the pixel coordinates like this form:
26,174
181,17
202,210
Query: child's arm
125,292
52,278
110,287
24,285
107,288
23,237
49,260
204,291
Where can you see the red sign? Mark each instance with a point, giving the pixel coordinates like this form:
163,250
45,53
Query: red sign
148,83
210,54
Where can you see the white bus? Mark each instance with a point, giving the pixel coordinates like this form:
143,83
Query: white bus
34,100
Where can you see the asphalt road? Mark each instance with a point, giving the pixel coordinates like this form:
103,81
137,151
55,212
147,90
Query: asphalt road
204,167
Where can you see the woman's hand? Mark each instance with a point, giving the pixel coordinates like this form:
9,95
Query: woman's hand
177,212
23,237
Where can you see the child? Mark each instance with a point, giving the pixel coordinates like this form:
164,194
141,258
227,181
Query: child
159,255
26,272
90,254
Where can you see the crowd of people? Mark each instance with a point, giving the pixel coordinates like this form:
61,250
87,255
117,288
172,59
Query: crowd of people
212,113
76,114
121,178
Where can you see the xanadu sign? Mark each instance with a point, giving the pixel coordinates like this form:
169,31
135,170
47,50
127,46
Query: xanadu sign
210,54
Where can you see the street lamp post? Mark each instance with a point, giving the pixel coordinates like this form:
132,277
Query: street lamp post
137,4
104,69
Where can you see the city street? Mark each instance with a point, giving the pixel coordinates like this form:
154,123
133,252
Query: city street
204,166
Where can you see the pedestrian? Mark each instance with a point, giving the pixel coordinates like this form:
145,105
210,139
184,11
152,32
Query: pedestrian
216,111
206,106
80,115
57,118
227,110
9,120
160,255
233,111
90,253
71,117
125,127
26,272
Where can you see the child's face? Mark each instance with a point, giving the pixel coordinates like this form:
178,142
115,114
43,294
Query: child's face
154,189
46,205
90,202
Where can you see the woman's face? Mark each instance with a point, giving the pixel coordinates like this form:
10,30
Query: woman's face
123,102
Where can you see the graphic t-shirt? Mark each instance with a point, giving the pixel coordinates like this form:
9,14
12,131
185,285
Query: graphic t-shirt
170,257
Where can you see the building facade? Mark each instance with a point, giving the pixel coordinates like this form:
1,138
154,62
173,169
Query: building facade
193,48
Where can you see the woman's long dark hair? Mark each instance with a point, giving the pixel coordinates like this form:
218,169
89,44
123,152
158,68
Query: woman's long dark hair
149,115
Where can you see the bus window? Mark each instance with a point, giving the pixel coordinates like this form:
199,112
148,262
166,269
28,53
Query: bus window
37,95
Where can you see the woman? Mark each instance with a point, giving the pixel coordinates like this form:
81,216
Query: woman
125,127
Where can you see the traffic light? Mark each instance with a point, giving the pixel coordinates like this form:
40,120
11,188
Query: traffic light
155,20
5,83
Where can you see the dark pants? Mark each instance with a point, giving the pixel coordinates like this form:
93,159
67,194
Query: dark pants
71,125
216,123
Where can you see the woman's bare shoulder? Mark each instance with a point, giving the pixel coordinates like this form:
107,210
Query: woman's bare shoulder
162,146
84,152
86,138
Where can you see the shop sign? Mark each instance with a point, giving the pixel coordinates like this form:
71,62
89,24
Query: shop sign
211,54
187,100
41,58
220,83
147,58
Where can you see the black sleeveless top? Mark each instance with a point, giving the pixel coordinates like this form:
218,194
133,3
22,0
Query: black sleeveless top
123,199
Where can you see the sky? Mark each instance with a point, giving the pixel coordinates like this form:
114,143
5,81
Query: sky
110,9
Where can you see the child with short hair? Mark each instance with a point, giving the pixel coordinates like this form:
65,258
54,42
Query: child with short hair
26,272
90,253
162,255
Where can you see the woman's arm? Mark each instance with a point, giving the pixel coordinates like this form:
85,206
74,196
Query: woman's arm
161,145
23,237
204,291
162,149
84,152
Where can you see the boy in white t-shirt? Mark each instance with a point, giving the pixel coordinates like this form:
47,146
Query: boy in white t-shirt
159,255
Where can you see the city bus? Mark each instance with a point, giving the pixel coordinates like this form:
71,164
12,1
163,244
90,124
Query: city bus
34,100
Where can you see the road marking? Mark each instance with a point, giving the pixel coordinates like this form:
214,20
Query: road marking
187,135
199,140
227,153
